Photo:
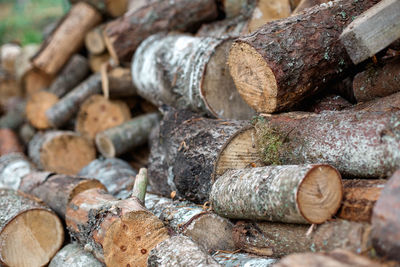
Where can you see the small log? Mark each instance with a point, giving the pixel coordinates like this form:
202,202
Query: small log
117,175
23,63
9,142
123,236
377,81
112,8
274,68
15,116
98,114
120,83
74,72
292,194
8,57
36,107
13,167
190,71
233,27
96,61
8,86
67,37
61,151
235,8
74,255
68,106
26,133
242,259
35,80
371,32
330,102
117,140
94,41
304,4
179,251
207,229
30,233
388,103
123,35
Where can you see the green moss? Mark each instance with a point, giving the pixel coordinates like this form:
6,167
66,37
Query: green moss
269,143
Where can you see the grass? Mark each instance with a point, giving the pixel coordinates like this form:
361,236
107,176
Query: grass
24,23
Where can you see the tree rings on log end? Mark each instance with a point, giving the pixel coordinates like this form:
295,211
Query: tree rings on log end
37,106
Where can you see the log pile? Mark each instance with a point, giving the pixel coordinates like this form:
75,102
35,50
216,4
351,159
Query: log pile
204,133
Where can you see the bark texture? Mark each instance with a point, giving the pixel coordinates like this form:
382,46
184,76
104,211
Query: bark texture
120,83
14,117
242,259
9,142
233,27
383,104
74,255
330,103
13,167
113,8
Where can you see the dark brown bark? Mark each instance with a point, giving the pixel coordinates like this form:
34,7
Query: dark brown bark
330,102
120,83
9,142
13,167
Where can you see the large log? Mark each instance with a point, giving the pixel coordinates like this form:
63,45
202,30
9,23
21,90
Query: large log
331,102
13,167
66,39
30,233
290,193
74,255
188,72
113,8
123,35
9,142
36,107
274,68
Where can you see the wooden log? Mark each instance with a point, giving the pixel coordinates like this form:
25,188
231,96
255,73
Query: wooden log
270,78
123,35
74,255
96,61
377,81
117,140
8,86
207,229
15,116
37,106
179,251
98,114
9,142
190,70
30,233
112,8
385,220
233,27
120,83
291,193
8,57
117,175
67,37
304,4
383,104
61,151
26,133
371,32
242,259
330,102
35,80
68,106
13,167
183,153
74,72
23,65
123,236
94,41
234,8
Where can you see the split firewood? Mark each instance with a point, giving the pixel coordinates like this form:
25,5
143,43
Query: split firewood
123,35
96,61
9,142
36,107
68,106
242,259
13,167
98,114
207,229
135,132
15,115
304,4
74,72
188,72
8,57
30,233
371,32
377,81
330,102
116,174
112,8
61,151
94,41
26,133
35,80
271,79
8,86
74,255
68,37
292,193
120,83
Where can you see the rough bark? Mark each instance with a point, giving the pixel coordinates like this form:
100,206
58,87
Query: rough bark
116,174
188,72
61,151
330,102
74,72
242,259
233,27
120,83
304,4
383,104
207,229
283,62
30,233
291,193
67,107
183,153
13,167
36,107
123,35
112,8
66,39
179,251
94,41
135,132
9,142
74,255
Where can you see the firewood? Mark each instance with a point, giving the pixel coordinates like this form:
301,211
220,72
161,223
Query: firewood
96,61
13,167
23,64
74,72
117,140
36,107
331,102
234,8
74,255
274,68
98,114
371,32
15,116
35,80
61,151
113,8
242,259
68,37
123,35
116,174
304,4
26,133
120,83
290,193
383,104
207,229
190,73
233,27
179,251
9,142
8,57
30,233
94,41
8,86
59,114
377,81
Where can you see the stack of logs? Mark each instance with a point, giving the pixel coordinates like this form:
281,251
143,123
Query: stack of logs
186,89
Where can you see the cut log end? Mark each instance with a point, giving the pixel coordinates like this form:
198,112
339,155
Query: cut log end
37,106
258,88
320,194
31,239
105,146
86,185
